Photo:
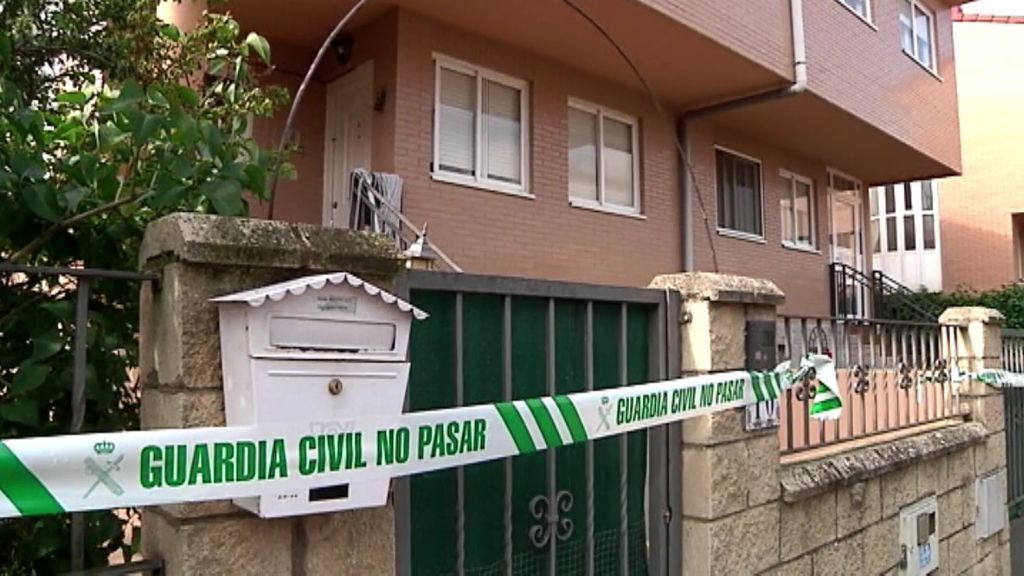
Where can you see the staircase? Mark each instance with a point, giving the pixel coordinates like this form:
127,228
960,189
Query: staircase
878,296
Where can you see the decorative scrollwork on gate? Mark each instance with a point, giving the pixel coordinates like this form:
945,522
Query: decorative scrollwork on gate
906,380
808,385
861,383
940,374
551,518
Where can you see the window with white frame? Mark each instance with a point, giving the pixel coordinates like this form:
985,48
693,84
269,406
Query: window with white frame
798,216
917,32
903,217
480,127
861,8
739,193
603,158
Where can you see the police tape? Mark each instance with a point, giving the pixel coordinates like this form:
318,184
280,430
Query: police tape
83,472
992,377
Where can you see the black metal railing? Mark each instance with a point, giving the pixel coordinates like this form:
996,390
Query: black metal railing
878,296
80,280
894,301
891,375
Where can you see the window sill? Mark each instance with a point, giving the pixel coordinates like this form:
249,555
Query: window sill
801,248
595,207
745,236
507,190
859,16
923,67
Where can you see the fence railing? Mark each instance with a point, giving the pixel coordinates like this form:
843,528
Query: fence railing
1013,350
79,280
891,375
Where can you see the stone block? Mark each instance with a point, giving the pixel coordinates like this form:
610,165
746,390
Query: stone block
236,546
858,506
717,428
743,543
990,455
331,538
240,242
728,336
959,468
953,512
841,557
961,552
807,525
989,411
163,408
931,476
881,546
799,567
194,510
995,564
730,477
899,488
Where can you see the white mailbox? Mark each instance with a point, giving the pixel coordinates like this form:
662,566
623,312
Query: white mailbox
316,350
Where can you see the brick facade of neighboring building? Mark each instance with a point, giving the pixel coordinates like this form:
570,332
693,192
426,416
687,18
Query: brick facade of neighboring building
982,212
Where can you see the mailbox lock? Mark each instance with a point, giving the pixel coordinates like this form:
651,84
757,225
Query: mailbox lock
334,386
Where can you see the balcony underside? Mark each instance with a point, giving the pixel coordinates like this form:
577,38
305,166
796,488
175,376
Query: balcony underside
684,67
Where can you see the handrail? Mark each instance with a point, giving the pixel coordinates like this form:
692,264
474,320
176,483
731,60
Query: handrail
382,203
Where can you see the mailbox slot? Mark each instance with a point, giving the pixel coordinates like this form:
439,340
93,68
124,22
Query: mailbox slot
306,333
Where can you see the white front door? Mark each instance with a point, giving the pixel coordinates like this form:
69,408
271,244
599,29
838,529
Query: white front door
846,240
347,132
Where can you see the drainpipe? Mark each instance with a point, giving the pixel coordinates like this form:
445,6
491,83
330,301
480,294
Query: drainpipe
799,86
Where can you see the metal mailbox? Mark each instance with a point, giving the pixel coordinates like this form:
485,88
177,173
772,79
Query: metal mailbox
315,350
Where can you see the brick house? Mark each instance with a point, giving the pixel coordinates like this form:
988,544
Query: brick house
530,148
966,231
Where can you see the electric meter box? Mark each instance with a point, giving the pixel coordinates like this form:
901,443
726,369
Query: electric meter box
317,350
919,537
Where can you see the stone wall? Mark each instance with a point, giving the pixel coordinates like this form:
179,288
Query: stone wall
746,510
200,257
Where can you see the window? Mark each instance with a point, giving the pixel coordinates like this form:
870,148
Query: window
861,8
603,159
917,32
739,193
797,203
898,212
480,127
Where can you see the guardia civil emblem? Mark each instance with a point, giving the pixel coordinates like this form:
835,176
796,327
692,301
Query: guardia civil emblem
102,468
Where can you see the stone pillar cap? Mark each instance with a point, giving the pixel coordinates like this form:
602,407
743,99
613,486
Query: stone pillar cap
221,240
721,288
964,315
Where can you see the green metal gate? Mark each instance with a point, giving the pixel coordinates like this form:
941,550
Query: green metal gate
599,508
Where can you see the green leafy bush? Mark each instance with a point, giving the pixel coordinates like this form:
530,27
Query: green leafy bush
1008,300
109,118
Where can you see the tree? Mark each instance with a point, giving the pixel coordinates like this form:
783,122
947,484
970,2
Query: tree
109,118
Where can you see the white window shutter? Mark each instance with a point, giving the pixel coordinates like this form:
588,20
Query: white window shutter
502,132
582,155
457,124
618,163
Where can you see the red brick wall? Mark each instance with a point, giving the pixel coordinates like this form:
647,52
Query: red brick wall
802,275
493,233
862,68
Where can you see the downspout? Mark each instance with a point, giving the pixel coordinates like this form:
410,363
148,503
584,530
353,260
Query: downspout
799,86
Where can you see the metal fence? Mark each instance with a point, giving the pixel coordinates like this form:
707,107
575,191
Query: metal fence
891,375
1013,350
80,281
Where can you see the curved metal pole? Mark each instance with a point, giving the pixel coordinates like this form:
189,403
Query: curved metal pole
288,125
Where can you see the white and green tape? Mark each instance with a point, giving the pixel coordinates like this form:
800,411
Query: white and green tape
103,471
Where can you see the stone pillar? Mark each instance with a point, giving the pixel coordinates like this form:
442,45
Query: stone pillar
199,257
978,339
977,334
731,487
